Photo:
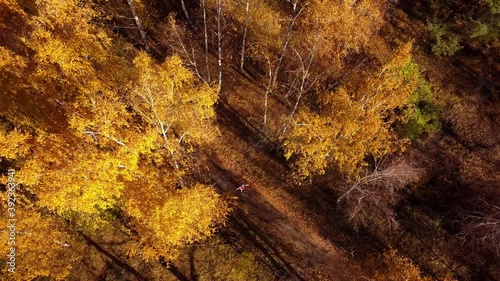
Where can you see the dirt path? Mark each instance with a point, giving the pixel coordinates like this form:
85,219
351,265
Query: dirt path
291,252
267,218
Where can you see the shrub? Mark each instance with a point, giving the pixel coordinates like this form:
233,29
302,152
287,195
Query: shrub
422,116
446,43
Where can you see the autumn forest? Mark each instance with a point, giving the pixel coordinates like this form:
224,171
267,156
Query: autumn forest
250,140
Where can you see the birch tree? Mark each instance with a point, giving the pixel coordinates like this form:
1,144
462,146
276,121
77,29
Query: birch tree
138,23
205,37
127,126
354,121
219,20
297,11
245,31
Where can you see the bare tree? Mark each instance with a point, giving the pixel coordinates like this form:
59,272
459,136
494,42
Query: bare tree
370,200
176,37
482,225
139,24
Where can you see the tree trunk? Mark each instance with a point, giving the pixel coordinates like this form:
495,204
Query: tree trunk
186,13
285,45
304,86
139,24
266,95
219,41
247,6
206,38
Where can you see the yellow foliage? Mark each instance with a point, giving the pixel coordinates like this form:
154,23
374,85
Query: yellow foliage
265,25
38,246
188,215
100,117
13,144
10,61
337,28
12,6
168,98
68,48
118,125
72,177
355,121
169,219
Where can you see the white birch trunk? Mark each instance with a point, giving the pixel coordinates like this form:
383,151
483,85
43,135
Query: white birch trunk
219,41
139,24
242,62
206,38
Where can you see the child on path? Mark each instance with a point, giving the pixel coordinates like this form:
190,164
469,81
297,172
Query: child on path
242,187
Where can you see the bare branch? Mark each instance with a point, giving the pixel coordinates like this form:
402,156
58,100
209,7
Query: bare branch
482,225
305,83
370,199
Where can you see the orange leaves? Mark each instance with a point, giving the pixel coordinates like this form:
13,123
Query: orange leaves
10,61
68,47
13,144
395,267
72,177
188,215
12,6
265,23
308,142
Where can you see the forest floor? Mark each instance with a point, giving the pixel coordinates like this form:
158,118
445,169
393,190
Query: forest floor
462,156
267,216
